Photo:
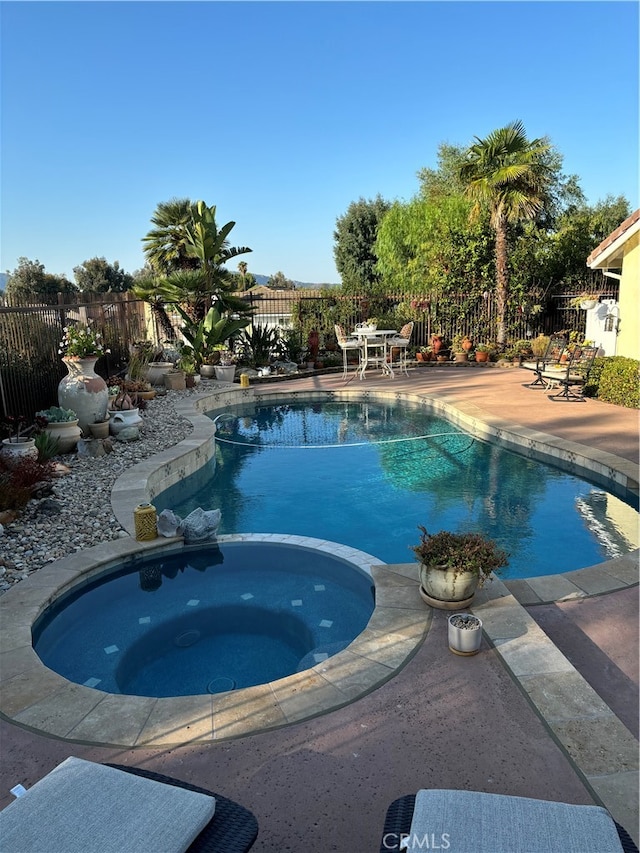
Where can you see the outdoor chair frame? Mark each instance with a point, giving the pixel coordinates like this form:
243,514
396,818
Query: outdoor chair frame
576,374
556,348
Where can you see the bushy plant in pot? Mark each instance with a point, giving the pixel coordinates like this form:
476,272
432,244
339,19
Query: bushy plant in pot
226,367
18,443
454,565
483,352
61,424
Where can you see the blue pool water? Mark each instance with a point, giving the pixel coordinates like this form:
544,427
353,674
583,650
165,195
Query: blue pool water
366,474
207,620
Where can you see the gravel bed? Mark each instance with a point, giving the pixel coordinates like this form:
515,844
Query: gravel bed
78,513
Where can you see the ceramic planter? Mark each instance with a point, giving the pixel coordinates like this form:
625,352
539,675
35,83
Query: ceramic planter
175,380
157,370
447,589
207,371
67,433
119,420
14,450
100,429
226,373
464,631
83,391
588,304
460,357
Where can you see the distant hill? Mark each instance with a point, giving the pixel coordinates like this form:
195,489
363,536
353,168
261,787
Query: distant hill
263,279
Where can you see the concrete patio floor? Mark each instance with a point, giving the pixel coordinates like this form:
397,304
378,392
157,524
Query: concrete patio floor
564,728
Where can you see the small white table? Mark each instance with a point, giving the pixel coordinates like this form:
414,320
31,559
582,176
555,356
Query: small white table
373,349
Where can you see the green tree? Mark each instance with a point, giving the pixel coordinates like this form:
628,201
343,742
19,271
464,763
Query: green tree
30,283
99,276
279,281
354,244
164,245
428,246
506,174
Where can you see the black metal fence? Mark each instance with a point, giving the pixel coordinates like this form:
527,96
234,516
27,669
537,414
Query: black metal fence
31,368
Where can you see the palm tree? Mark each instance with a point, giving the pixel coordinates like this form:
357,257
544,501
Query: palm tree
506,174
164,245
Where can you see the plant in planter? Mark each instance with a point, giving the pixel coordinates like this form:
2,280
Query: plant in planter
454,565
483,352
464,632
18,444
460,347
226,367
585,300
61,424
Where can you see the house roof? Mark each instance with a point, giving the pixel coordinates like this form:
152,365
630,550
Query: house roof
609,254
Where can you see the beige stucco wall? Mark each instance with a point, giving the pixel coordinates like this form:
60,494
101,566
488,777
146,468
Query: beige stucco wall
629,334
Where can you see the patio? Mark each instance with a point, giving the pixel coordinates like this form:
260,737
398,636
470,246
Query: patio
555,718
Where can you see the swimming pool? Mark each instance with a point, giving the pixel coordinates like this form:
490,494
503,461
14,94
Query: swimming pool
366,473
207,619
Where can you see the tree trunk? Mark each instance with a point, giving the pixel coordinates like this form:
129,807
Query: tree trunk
502,281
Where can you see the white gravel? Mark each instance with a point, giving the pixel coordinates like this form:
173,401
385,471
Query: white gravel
78,513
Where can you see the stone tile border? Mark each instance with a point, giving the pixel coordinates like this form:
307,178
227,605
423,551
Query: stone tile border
34,696
600,746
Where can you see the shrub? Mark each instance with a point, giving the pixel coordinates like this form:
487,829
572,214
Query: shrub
17,484
616,379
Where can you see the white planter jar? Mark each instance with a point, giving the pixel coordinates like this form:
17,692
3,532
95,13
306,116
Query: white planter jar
83,391
18,449
118,420
225,373
464,632
447,589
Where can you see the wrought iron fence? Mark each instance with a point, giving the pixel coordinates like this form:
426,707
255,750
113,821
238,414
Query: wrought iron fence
30,366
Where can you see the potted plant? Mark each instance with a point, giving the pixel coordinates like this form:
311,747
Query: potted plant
460,348
464,633
123,412
61,424
17,445
585,301
482,352
82,390
454,565
226,367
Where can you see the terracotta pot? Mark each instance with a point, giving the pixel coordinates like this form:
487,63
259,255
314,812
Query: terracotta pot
420,356
175,380
482,356
67,433
467,344
436,344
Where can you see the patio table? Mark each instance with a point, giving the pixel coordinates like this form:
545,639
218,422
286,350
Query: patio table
373,349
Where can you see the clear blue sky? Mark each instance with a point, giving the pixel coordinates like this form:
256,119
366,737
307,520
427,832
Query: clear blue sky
282,114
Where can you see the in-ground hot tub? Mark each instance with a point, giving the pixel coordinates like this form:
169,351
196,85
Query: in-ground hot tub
206,619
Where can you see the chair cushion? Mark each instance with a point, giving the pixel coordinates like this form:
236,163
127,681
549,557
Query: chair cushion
496,823
82,807
405,331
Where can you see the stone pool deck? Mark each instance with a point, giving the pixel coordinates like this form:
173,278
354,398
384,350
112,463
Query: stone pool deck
547,709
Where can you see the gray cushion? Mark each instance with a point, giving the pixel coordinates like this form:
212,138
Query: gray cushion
473,822
89,808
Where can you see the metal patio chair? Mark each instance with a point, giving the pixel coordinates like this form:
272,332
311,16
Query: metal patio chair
555,350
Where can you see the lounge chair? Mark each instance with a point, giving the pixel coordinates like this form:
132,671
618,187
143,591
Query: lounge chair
556,349
83,807
473,822
572,375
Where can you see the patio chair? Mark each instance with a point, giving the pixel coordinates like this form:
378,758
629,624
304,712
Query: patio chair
346,344
552,355
401,342
575,375
84,807
473,822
